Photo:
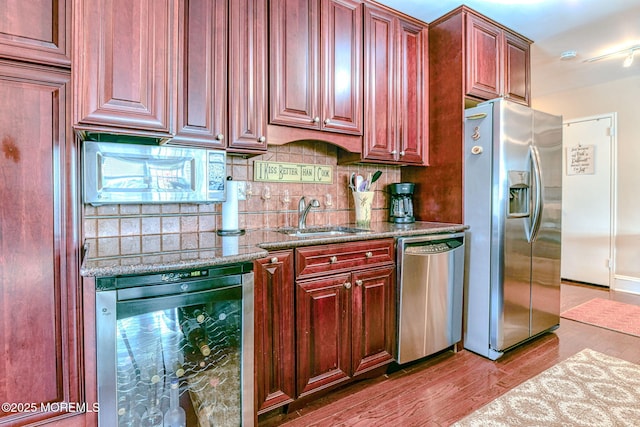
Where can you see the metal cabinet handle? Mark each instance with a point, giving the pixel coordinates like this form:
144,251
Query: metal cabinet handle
327,121
220,137
369,254
333,259
262,139
394,152
316,119
274,260
359,282
347,285
402,153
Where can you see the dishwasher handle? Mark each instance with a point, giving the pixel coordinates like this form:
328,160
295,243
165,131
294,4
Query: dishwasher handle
426,249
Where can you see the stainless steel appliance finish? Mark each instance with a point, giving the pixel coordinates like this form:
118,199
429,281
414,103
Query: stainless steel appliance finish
145,326
132,173
430,277
512,203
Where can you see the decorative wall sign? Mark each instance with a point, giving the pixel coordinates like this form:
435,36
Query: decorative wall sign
292,172
580,160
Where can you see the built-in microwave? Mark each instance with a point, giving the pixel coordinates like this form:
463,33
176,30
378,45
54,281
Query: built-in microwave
131,173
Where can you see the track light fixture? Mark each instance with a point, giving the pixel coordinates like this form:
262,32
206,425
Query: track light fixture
629,53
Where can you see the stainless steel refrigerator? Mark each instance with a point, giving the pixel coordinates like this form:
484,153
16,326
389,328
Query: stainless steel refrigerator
512,204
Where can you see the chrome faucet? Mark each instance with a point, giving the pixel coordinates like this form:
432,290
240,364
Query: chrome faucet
303,210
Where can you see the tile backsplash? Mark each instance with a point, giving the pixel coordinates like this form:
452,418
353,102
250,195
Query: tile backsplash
154,228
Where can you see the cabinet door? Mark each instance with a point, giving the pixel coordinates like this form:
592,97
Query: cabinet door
484,59
517,78
202,57
247,75
379,85
413,85
274,331
323,313
124,62
38,243
36,31
294,56
373,319
341,82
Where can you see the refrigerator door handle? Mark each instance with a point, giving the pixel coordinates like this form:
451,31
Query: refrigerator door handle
537,202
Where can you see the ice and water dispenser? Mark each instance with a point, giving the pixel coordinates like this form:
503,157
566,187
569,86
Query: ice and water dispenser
518,194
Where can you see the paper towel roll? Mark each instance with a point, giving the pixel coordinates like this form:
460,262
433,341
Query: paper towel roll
230,207
230,245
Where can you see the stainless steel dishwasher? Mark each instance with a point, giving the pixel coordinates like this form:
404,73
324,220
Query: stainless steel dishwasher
430,288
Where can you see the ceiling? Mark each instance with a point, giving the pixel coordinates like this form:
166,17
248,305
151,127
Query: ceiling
590,27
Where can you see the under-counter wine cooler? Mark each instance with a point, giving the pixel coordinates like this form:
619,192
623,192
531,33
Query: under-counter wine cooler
191,327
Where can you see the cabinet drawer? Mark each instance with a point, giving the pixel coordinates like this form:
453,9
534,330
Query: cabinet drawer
317,260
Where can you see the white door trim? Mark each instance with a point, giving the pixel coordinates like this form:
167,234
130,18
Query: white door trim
613,186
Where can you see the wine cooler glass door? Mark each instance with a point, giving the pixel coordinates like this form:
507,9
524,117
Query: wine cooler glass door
195,338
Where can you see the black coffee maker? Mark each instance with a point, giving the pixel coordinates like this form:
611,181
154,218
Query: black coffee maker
401,208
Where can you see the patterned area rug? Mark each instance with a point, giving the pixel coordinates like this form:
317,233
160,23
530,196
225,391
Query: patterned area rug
608,314
587,389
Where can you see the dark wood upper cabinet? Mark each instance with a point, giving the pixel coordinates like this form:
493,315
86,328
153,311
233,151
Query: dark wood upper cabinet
123,79
36,31
471,59
497,62
274,331
341,64
39,246
396,88
316,60
192,73
202,73
517,69
380,87
413,102
484,58
248,80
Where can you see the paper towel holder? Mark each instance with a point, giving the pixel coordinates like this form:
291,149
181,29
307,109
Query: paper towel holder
230,207
230,232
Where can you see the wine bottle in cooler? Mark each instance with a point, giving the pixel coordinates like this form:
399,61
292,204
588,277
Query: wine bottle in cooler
196,335
175,415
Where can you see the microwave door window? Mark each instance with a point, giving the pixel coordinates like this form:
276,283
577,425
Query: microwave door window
171,174
135,175
122,174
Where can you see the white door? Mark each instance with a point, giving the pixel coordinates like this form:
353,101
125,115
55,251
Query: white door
587,199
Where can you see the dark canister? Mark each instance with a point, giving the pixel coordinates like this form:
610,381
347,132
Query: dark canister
401,202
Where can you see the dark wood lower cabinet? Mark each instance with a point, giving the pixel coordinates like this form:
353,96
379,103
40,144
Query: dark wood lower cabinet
323,327
373,319
333,323
274,331
39,342
345,326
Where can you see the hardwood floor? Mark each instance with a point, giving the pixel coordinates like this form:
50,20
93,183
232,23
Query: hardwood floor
444,388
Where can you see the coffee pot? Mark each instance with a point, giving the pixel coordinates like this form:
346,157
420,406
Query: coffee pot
401,202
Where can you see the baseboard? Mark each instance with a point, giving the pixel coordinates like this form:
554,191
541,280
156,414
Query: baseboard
626,284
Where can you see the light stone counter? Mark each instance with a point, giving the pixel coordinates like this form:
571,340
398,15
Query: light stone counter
209,249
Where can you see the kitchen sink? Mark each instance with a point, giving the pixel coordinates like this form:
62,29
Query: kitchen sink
321,231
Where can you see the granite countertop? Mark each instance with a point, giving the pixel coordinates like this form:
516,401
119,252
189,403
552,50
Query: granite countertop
209,249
